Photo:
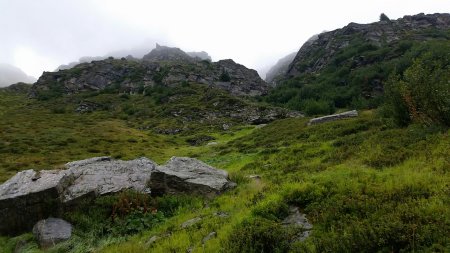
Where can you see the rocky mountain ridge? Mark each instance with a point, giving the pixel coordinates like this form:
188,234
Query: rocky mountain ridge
315,56
162,66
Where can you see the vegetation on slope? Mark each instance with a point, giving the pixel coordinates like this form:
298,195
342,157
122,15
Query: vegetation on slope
355,77
361,194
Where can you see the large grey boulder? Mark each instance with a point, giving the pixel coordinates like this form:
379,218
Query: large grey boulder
51,231
28,197
104,175
333,117
188,175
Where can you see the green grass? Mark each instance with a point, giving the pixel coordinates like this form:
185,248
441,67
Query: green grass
365,185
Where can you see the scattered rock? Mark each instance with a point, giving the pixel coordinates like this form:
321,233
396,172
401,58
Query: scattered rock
191,222
333,117
187,175
209,237
51,231
199,140
213,143
255,177
152,240
222,214
87,106
295,218
225,127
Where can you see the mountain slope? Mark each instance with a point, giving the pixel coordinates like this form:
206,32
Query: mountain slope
348,67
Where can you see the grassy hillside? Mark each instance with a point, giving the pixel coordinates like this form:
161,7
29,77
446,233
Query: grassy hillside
365,184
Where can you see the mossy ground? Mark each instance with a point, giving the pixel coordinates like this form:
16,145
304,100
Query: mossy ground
365,185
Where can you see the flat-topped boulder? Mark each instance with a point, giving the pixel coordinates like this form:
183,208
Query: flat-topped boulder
26,198
30,196
183,174
104,175
333,117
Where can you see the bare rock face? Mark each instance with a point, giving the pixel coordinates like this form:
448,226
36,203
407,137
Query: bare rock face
338,116
30,196
52,231
182,174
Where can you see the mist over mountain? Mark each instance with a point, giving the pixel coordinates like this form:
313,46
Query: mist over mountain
280,67
10,75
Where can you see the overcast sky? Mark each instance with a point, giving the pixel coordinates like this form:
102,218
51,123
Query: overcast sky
38,35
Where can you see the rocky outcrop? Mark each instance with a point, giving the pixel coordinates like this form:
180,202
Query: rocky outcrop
315,56
182,174
334,117
30,196
163,66
163,53
52,231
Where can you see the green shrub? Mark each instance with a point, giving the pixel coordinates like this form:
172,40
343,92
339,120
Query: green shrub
422,93
225,76
259,235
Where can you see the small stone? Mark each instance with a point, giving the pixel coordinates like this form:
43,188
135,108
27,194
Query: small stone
190,222
295,218
255,177
152,240
52,231
209,237
221,214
